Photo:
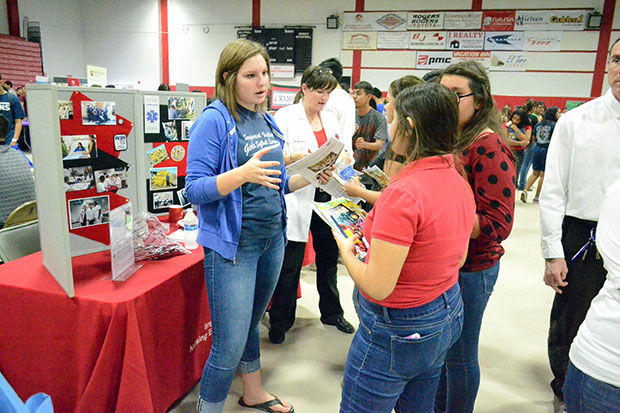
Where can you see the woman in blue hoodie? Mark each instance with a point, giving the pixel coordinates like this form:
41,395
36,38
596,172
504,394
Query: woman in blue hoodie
237,178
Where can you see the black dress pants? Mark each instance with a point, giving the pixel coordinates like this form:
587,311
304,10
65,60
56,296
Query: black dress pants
585,278
284,303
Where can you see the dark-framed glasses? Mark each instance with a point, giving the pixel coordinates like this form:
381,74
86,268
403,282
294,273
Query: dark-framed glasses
460,96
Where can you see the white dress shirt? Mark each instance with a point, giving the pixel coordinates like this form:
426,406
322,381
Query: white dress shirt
596,349
299,137
582,162
342,105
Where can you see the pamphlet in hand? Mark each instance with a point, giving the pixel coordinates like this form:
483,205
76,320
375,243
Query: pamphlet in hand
345,217
322,159
378,175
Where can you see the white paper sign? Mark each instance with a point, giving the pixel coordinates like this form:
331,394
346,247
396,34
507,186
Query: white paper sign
151,114
424,20
503,41
96,75
286,71
359,40
508,61
461,20
374,21
427,40
121,241
532,20
392,40
433,60
465,40
543,41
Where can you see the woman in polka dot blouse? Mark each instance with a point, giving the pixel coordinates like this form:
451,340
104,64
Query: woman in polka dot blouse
489,167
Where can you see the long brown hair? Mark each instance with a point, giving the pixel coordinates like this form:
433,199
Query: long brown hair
486,116
231,59
427,121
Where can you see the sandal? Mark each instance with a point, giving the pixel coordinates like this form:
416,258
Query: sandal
266,406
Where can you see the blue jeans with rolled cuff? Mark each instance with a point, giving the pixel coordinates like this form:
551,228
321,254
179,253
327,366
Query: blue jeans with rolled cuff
395,358
239,292
460,378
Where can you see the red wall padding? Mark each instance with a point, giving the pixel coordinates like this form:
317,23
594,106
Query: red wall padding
20,61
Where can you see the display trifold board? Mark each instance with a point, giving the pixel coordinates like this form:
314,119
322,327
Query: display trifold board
85,154
166,121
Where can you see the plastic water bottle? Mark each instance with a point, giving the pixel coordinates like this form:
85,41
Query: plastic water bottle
190,224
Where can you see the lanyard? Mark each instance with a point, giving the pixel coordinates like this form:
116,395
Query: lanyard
586,247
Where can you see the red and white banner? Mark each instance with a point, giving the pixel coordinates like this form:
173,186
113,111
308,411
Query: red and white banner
424,20
427,40
433,60
465,41
498,20
543,41
483,57
282,96
462,20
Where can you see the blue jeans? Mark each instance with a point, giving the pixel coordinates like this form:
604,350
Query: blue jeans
387,368
460,377
239,292
526,163
585,394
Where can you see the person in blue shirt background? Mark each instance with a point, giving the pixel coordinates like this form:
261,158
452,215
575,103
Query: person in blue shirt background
11,108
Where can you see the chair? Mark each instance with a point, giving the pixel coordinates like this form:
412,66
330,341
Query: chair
24,213
19,240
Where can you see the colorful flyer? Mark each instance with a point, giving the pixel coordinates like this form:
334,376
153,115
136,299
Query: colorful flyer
151,114
157,155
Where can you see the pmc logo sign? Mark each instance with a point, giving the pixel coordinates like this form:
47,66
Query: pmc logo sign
439,60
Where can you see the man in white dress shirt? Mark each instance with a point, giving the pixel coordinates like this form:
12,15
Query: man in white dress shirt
340,103
582,162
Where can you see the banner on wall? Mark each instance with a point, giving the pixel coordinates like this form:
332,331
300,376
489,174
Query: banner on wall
465,40
503,41
462,20
543,41
282,96
374,21
433,60
427,40
392,40
528,20
359,40
483,57
508,61
424,20
498,20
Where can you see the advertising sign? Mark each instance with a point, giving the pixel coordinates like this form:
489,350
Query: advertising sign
374,21
498,20
527,20
424,20
483,57
427,40
508,61
282,96
433,60
392,40
543,41
465,40
359,40
462,20
503,41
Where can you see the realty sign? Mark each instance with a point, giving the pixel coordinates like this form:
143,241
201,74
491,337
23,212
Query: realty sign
465,40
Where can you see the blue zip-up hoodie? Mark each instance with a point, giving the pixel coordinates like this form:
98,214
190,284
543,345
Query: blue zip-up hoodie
212,151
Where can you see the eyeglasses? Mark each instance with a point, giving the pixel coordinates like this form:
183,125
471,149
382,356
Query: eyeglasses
459,96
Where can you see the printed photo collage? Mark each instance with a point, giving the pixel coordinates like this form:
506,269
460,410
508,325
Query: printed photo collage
173,121
83,167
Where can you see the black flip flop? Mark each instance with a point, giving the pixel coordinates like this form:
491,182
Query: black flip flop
266,406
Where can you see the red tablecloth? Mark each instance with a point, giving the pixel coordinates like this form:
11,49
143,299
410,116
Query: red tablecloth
133,346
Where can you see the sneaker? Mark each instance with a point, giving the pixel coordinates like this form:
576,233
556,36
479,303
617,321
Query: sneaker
276,336
535,200
524,196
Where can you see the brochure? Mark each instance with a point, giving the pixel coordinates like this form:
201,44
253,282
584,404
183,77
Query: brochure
346,217
378,175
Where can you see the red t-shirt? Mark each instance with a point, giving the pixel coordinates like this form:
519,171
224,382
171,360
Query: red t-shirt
490,169
428,207
321,137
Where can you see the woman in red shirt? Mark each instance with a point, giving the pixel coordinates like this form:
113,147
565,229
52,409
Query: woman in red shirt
489,167
410,307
